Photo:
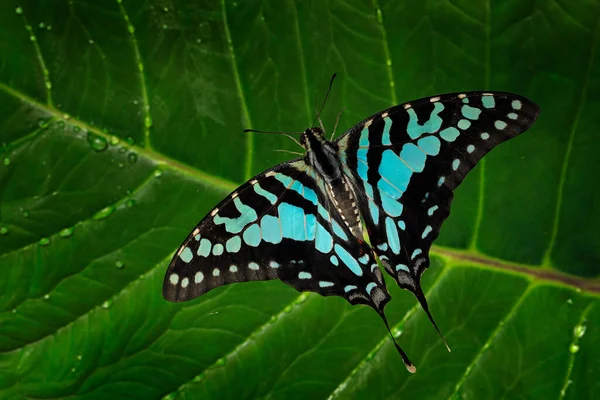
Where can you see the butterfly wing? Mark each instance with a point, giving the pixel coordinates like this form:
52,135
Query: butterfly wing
278,225
407,160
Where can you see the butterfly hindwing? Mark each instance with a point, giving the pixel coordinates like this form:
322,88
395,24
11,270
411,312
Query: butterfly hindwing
408,159
278,225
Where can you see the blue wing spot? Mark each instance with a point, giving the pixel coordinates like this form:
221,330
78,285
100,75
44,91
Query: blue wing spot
216,272
432,210
325,284
270,228
512,116
286,180
233,245
392,235
186,255
441,181
450,134
322,212
516,104
217,249
370,287
500,125
373,267
455,164
364,259
199,277
348,288
323,240
292,221
364,137
337,229
304,275
384,186
392,207
402,267
347,259
470,148
252,235
488,101
382,246
274,264
402,225
465,100
334,260
311,226
236,225
197,237
385,139
204,249
394,170
416,253
430,144
485,136
362,166
464,124
233,269
413,156
374,210
470,112
426,232
267,195
434,123
253,266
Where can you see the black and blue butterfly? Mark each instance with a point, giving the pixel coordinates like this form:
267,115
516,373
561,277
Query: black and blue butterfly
302,221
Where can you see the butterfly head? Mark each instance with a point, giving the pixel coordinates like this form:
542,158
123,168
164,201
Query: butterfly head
312,138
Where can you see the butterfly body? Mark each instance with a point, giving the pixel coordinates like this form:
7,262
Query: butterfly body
301,221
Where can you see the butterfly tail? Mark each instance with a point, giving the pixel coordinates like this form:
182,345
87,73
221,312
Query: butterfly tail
418,292
407,363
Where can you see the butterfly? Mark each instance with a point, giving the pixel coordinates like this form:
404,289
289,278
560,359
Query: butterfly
302,221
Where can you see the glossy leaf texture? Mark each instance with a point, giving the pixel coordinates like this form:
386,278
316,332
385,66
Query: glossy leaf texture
120,127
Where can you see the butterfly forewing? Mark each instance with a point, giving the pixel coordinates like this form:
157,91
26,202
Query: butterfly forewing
407,160
281,225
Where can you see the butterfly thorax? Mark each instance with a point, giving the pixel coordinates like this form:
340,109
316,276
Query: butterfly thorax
322,156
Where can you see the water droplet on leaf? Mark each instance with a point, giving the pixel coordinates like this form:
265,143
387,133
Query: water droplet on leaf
46,296
119,264
66,233
104,213
3,230
42,25
579,331
25,213
44,242
6,161
157,173
132,157
98,143
114,140
19,10
129,140
573,348
107,304
220,362
130,203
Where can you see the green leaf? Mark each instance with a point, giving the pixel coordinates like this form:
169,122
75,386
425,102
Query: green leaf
120,127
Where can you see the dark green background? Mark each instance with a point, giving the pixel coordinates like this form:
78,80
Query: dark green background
120,127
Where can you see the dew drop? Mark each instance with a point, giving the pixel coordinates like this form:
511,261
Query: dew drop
19,10
157,173
121,165
66,116
119,264
288,308
6,161
220,362
41,25
3,230
198,378
79,357
42,123
107,304
129,140
44,242
132,157
130,203
148,122
170,396
66,233
76,129
25,213
48,84
579,331
573,348
46,296
97,143
131,29
114,140
49,27
570,302
90,41
104,213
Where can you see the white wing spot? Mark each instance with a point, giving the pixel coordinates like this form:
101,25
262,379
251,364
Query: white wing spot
462,96
367,124
407,106
174,278
253,182
270,173
196,231
234,195
185,282
216,272
434,99
214,212
199,277
384,115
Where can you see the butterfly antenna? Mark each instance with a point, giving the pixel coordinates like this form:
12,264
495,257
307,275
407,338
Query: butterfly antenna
337,121
289,151
409,365
324,101
288,134
421,297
